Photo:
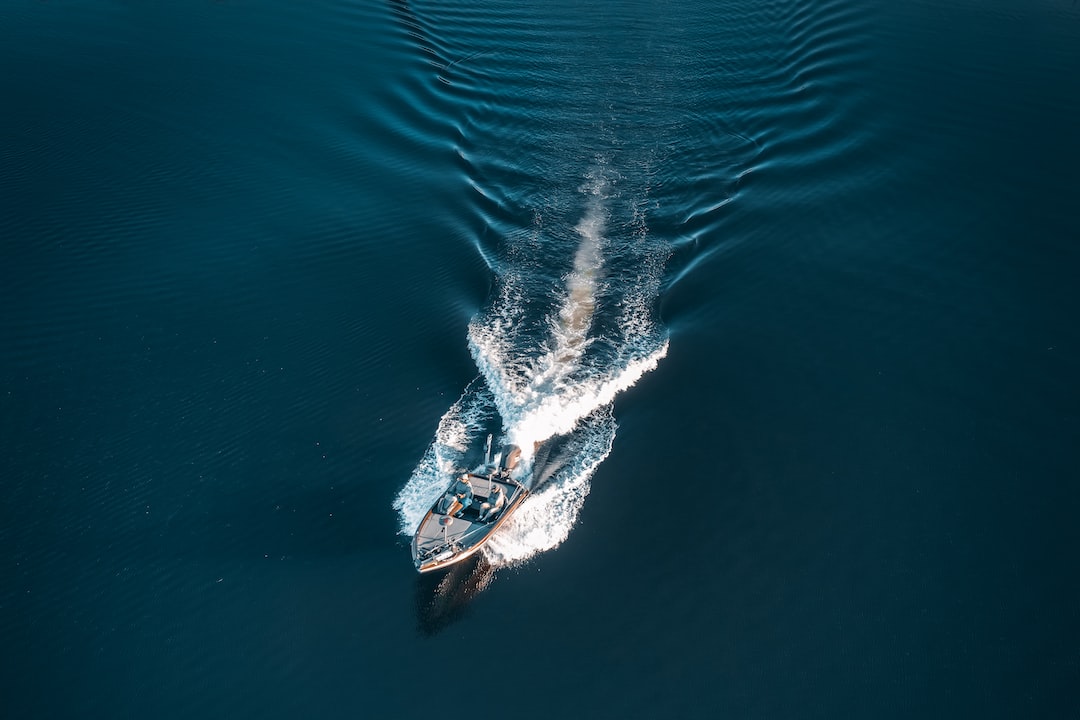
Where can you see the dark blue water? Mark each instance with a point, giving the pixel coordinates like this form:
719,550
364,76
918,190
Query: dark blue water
786,293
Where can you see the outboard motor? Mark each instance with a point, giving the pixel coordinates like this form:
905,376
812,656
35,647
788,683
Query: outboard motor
511,455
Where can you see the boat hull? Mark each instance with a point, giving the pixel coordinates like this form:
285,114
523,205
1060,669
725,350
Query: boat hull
441,540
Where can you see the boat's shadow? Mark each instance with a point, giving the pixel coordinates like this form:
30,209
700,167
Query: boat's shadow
442,597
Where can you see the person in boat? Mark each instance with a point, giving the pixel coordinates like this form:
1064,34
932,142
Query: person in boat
458,497
491,507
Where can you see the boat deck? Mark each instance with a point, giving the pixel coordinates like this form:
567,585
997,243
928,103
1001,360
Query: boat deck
465,532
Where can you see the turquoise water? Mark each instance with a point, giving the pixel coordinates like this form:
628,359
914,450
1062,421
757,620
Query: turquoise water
783,294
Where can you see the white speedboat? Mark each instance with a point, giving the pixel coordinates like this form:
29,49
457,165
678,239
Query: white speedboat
469,512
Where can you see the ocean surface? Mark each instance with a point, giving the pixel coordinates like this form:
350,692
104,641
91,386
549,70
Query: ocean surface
780,298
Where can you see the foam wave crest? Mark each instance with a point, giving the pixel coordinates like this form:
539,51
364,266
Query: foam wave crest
545,520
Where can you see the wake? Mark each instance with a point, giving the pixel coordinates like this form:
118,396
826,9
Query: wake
552,379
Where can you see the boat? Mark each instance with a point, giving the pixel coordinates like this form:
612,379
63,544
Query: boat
469,512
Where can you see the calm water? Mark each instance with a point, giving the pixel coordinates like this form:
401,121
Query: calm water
784,291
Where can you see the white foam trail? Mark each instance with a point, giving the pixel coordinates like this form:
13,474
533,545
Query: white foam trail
539,400
544,521
576,314
541,417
